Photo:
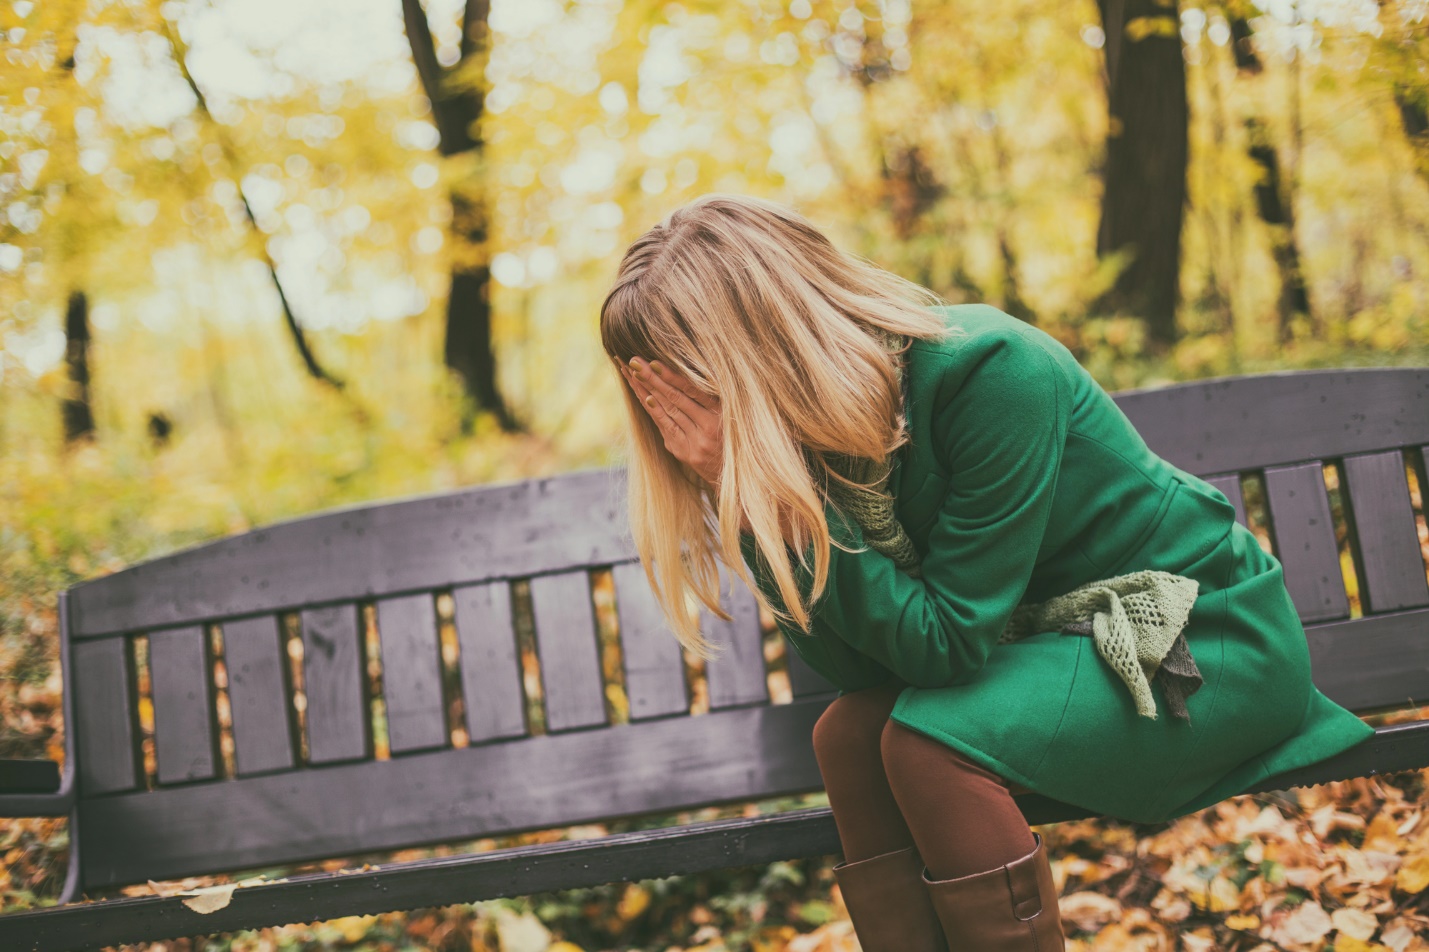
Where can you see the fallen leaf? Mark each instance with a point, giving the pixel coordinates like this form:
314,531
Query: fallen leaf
1354,923
210,898
1089,911
1413,875
1306,924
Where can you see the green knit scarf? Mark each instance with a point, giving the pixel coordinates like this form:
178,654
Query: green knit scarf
1136,620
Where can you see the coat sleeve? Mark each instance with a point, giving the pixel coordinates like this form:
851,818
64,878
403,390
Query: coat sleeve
999,421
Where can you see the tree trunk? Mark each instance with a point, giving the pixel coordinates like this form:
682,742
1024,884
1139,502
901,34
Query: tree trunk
76,411
295,330
1279,216
467,348
1145,175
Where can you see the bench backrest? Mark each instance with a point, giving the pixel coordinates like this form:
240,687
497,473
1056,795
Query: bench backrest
443,592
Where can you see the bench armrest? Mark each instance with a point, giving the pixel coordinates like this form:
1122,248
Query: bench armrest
35,788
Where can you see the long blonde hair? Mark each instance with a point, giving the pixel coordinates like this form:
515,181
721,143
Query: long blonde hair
754,305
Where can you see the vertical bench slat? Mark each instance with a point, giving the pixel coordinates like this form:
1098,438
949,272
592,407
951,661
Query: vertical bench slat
654,667
1305,540
1230,487
490,668
104,706
337,716
566,644
184,740
411,673
737,676
1383,521
256,660
804,680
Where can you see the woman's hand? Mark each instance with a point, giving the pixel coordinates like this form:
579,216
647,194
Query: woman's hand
688,419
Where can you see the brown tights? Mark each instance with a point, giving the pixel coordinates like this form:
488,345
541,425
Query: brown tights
890,787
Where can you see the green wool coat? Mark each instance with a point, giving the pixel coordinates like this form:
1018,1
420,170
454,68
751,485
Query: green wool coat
1022,481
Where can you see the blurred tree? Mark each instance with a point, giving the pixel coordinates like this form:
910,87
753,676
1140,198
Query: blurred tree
1144,175
295,330
457,108
74,408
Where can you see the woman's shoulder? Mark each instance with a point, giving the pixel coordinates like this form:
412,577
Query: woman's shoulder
982,337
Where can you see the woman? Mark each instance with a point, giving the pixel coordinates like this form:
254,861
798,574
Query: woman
956,526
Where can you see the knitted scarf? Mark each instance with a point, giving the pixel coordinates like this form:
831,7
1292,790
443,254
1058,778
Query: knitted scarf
1136,620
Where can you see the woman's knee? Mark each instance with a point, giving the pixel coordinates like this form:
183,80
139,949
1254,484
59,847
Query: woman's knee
852,727
910,757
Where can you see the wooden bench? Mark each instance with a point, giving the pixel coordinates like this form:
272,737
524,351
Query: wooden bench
474,563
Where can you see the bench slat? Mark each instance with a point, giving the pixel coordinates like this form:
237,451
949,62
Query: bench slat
333,676
108,729
1305,540
490,668
1380,661
257,663
804,680
1237,424
737,676
463,793
389,548
1383,521
1230,488
654,663
411,673
184,740
566,644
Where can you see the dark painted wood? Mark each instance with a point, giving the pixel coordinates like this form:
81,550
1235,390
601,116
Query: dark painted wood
737,676
29,776
1305,540
622,857
549,780
654,663
1230,488
390,548
804,680
1382,520
256,659
338,718
568,649
107,730
1380,661
185,742
1236,424
490,667
412,673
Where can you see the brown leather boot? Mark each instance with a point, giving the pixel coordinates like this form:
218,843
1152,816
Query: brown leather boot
888,903
1012,908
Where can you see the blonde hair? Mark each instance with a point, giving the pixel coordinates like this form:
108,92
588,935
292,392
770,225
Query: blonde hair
754,305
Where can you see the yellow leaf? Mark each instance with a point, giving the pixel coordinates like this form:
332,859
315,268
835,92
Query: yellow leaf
564,946
1413,876
634,901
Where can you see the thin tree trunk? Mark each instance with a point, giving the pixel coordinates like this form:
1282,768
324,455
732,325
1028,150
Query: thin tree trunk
295,330
1143,203
457,110
1279,216
76,410
1274,198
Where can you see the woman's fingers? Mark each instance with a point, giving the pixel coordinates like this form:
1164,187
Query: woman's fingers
682,383
674,400
669,424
